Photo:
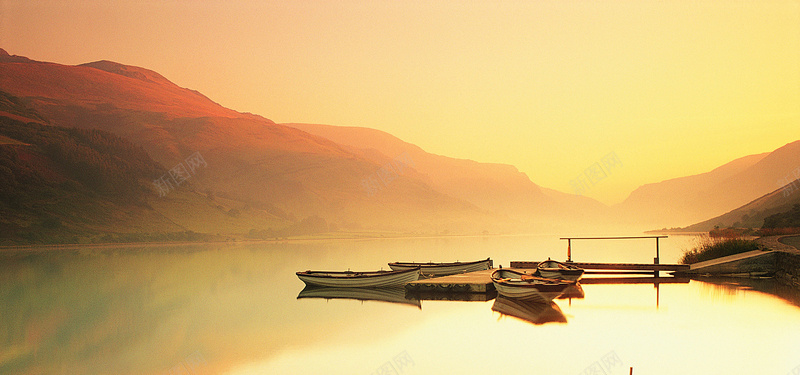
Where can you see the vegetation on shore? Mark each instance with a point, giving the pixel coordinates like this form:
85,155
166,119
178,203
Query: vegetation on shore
717,245
788,219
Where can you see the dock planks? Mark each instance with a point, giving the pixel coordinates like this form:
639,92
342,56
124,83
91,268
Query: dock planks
614,266
481,281
470,282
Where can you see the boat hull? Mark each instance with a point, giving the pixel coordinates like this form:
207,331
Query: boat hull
359,279
443,269
522,286
557,270
561,274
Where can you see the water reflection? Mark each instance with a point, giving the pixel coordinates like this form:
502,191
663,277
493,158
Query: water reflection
734,286
452,296
385,294
235,309
533,311
573,291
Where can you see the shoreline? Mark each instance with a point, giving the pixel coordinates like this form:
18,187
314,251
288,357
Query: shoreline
242,241
329,236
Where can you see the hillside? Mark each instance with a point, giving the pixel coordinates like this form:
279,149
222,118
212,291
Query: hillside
251,176
686,200
753,214
498,188
69,185
58,184
248,159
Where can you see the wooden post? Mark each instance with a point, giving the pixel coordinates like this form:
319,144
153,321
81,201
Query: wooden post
657,256
656,260
569,250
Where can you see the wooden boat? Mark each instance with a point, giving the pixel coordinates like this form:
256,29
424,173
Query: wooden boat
535,312
351,279
391,294
553,269
515,284
443,269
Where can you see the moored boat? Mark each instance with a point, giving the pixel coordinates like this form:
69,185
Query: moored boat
515,284
443,269
553,269
351,279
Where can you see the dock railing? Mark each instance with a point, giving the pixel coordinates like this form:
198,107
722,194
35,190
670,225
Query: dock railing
569,244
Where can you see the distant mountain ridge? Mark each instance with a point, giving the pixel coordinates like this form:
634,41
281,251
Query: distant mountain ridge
251,160
687,200
499,188
263,177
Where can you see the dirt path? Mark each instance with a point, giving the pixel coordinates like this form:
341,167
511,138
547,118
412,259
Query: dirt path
774,243
791,241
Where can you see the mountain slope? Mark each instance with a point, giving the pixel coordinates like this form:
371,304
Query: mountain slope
687,200
752,214
247,158
498,188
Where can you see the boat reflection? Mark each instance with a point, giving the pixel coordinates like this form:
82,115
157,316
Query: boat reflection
573,291
382,294
533,311
451,296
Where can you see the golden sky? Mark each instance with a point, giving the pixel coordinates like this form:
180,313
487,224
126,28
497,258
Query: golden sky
673,88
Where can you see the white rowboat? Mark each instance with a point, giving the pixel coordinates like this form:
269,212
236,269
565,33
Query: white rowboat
515,284
557,270
350,279
443,269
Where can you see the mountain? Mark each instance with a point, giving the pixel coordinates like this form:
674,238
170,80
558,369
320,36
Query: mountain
277,176
752,214
498,188
686,200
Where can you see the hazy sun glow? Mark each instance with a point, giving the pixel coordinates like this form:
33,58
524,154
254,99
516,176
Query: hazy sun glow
673,88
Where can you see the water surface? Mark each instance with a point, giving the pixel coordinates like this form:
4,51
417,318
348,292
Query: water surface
233,308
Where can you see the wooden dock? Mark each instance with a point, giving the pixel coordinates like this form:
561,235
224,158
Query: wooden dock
614,266
634,280
481,281
471,282
747,264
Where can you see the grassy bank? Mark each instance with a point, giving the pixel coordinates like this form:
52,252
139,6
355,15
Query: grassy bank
709,247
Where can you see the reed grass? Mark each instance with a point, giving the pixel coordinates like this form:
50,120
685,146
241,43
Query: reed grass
712,247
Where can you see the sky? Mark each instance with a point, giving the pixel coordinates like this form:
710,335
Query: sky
667,88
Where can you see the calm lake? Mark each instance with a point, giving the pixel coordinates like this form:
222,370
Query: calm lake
234,309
